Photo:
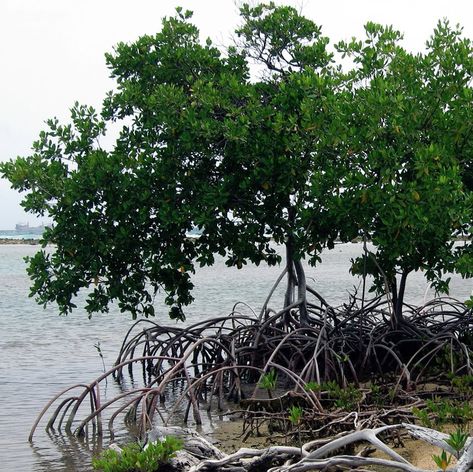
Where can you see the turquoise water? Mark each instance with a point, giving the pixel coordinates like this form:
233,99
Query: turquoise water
42,352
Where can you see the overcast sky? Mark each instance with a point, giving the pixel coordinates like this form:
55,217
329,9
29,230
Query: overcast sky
52,52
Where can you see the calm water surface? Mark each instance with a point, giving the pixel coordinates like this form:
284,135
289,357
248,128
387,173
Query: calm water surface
42,353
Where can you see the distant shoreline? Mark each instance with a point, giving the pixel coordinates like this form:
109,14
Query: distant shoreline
26,241
36,242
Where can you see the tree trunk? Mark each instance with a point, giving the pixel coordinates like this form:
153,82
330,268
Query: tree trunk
398,299
302,293
289,296
296,276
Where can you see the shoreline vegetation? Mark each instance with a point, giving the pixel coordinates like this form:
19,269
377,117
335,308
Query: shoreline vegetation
34,242
26,241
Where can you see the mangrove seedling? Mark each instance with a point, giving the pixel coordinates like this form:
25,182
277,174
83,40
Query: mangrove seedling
312,386
99,351
346,398
442,461
457,441
439,412
295,417
268,381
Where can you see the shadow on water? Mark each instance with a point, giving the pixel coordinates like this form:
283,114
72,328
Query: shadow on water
65,453
54,451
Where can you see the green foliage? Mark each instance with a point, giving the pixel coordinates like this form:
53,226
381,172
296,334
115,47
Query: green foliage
457,440
269,30
463,384
346,398
301,154
134,459
440,412
442,461
269,380
406,155
295,415
423,416
201,145
312,386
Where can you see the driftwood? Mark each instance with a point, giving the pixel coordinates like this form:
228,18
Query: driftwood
199,455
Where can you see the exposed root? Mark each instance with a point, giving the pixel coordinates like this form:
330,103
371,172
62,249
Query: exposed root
225,359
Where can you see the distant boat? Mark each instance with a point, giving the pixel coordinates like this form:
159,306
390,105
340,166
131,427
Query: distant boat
26,228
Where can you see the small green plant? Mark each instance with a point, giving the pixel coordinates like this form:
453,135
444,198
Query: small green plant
377,396
268,381
99,350
312,386
439,412
423,416
463,384
295,415
442,461
457,441
345,398
133,458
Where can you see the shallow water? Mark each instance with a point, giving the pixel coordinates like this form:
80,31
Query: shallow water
43,353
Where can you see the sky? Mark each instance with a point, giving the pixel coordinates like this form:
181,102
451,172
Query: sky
52,52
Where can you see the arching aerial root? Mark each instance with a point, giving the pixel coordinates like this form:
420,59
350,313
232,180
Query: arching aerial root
203,366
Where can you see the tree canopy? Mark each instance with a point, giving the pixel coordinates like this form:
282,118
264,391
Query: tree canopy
275,138
409,139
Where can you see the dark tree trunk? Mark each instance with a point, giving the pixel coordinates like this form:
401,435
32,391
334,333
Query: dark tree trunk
301,293
289,296
398,299
295,276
